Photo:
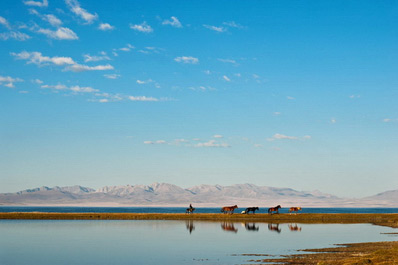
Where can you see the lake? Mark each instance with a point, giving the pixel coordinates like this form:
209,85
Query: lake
86,242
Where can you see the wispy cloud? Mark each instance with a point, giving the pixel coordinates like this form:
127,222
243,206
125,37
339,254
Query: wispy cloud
142,98
279,136
333,120
73,89
74,6
290,98
202,88
215,28
83,68
187,59
112,76
228,61
105,27
354,96
155,142
390,120
40,60
50,18
36,3
218,136
9,81
143,27
127,48
11,34
173,21
95,58
226,78
59,34
233,24
212,143
4,22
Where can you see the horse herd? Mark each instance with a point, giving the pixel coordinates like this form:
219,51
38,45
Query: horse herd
231,209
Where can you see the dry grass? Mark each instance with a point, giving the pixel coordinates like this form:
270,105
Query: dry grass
375,253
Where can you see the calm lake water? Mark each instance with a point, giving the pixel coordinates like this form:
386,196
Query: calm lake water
81,242
180,210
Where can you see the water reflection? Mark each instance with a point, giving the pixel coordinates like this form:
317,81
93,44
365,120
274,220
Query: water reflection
190,226
274,227
294,227
229,227
251,227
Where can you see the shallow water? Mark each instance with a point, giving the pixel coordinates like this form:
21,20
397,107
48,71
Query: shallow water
166,242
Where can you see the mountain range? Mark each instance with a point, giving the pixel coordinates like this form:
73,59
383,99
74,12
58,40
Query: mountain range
164,194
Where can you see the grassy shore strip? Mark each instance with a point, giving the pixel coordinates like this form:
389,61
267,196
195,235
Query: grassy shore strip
376,253
346,218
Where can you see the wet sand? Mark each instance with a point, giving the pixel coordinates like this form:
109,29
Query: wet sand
376,253
390,220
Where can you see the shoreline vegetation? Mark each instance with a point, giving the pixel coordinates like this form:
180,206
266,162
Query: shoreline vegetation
390,220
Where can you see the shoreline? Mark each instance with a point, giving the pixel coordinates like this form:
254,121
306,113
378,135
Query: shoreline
390,220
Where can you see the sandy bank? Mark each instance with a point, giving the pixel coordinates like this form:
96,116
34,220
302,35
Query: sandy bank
379,219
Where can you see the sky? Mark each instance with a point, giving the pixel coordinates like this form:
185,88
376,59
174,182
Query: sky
299,94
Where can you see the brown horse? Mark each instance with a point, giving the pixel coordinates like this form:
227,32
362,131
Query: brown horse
294,209
274,209
229,209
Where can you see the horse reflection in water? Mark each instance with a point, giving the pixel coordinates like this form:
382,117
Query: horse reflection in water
190,226
274,227
294,227
251,227
229,227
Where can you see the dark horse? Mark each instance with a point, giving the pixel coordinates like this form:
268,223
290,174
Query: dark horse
274,209
251,209
190,209
229,209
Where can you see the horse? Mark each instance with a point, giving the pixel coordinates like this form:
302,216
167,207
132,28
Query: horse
294,209
251,209
229,209
190,209
274,209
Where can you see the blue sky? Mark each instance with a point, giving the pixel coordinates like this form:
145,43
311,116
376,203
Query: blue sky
299,94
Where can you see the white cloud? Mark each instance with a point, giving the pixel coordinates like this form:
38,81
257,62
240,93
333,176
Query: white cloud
105,27
290,98
355,96
307,137
36,3
37,81
155,142
212,143
127,48
149,142
112,76
103,100
83,68
333,120
79,89
390,120
74,89
258,145
279,136
196,139
233,24
4,22
95,58
208,72
38,59
174,22
227,61
53,20
9,81
143,27
218,136
16,35
142,98
277,113
202,88
187,59
59,34
214,28
74,6
226,78
143,82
